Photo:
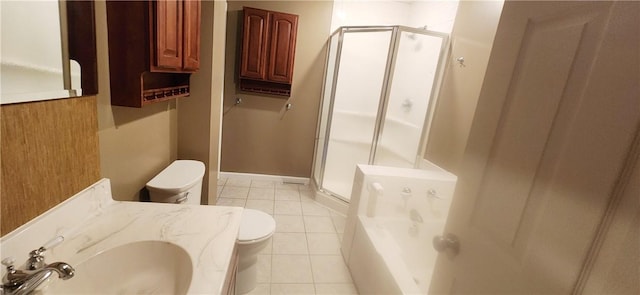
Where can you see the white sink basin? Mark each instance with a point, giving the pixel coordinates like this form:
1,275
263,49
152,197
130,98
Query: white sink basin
146,267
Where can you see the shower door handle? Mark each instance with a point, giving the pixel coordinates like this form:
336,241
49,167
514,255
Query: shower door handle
447,242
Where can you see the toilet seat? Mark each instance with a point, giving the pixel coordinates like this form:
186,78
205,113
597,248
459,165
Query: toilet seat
255,226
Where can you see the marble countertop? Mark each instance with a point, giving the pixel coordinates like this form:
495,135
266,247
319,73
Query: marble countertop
92,222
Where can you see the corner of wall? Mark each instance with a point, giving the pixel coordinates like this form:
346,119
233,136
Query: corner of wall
135,144
199,116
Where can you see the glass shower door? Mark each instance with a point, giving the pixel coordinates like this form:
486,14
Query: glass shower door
327,91
362,64
411,98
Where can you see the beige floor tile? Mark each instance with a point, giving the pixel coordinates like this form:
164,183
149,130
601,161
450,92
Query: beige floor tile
263,183
287,195
264,269
306,246
318,224
290,243
281,185
258,193
314,209
339,222
291,269
329,269
218,191
335,213
292,289
307,196
289,223
288,208
336,289
230,202
239,182
261,289
268,248
304,187
234,192
323,243
262,205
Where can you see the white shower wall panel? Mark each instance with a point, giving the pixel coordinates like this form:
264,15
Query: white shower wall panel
351,145
377,103
437,15
413,77
399,144
341,167
353,126
363,62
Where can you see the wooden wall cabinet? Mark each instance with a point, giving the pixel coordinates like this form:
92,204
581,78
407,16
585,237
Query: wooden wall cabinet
154,46
268,51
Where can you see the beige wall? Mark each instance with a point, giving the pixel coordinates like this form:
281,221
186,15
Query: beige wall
472,38
199,115
259,135
135,144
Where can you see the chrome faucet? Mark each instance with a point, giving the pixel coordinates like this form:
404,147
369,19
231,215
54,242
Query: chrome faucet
415,216
23,282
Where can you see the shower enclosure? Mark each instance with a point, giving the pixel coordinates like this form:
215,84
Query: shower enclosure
378,99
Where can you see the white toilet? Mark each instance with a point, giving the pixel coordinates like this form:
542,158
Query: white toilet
256,229
181,183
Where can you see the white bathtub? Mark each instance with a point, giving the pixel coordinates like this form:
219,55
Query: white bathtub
386,250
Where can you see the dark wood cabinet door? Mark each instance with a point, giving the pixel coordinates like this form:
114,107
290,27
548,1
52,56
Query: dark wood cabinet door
191,35
254,43
169,34
282,47
154,47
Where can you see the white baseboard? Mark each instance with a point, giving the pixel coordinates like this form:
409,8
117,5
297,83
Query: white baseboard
277,178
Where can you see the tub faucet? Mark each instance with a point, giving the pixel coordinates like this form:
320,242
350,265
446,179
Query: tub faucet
23,282
415,216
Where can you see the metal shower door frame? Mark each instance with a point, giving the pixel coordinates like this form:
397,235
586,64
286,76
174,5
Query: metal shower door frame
384,94
341,31
433,96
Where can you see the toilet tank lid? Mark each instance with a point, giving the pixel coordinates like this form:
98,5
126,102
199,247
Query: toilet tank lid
179,176
255,225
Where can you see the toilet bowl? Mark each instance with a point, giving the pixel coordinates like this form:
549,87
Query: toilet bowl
181,183
256,229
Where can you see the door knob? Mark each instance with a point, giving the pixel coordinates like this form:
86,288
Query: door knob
447,241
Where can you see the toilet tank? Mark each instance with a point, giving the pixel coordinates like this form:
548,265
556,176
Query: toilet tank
180,183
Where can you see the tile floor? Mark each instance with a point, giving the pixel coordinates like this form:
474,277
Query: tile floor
304,255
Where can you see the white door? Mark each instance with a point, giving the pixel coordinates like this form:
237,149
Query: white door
551,137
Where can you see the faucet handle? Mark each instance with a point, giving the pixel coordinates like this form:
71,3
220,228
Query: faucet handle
36,259
8,262
432,193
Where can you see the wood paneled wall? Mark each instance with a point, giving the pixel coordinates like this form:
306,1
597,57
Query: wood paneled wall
49,152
